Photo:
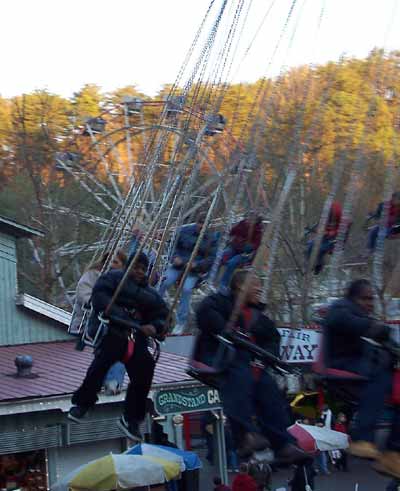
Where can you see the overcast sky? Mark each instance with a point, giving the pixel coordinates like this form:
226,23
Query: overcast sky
63,44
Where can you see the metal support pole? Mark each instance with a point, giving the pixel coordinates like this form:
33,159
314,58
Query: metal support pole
221,450
178,430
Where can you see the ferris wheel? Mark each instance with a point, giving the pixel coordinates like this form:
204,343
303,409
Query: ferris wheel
135,141
156,163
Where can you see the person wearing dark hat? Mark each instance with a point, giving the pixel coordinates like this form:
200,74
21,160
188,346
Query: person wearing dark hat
139,305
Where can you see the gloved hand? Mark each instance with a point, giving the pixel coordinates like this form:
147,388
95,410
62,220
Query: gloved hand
377,332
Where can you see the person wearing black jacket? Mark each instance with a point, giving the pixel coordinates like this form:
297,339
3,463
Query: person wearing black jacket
348,321
247,392
138,304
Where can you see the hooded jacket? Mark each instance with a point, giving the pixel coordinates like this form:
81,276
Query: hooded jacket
187,239
214,313
244,233
135,303
343,327
83,294
393,216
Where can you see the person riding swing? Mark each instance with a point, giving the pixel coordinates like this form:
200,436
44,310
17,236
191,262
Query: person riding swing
392,225
247,391
329,238
137,313
348,326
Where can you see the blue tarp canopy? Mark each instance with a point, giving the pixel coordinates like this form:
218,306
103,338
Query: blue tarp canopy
190,459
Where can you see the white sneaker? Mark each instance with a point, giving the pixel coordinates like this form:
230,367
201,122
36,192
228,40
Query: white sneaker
178,329
112,388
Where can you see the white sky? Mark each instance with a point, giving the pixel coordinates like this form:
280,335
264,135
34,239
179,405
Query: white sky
63,44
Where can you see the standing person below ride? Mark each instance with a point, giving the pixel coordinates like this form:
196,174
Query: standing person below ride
187,238
348,321
329,237
137,304
245,240
393,223
247,392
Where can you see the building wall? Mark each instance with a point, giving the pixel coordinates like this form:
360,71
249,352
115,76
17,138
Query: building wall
67,444
18,326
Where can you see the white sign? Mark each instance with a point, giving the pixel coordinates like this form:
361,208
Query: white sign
299,345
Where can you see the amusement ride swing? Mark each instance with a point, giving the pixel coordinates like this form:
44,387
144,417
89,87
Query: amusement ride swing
181,159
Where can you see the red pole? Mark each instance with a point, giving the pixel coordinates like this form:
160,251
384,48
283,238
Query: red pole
186,431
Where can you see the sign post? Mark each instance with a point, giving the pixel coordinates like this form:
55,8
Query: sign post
196,399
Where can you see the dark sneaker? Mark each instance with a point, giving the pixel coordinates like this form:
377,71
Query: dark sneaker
76,413
130,428
291,454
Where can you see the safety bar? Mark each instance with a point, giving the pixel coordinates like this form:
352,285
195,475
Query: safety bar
265,356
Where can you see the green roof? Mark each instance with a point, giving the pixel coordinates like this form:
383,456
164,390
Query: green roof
15,229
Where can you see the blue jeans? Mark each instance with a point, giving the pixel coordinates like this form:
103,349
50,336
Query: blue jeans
373,236
171,276
231,455
375,364
325,247
234,261
322,462
257,397
393,485
117,373
232,460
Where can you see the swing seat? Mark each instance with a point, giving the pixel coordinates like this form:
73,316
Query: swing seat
326,373
134,105
96,125
395,233
215,124
344,384
211,374
204,373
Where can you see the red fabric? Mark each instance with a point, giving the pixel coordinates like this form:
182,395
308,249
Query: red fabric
130,348
186,431
320,368
244,482
340,427
321,398
394,214
335,215
303,437
247,315
222,487
240,235
396,387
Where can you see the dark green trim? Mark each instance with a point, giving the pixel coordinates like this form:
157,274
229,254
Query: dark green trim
10,227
